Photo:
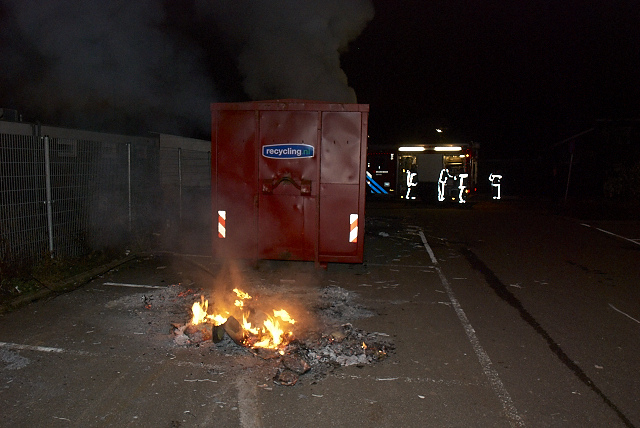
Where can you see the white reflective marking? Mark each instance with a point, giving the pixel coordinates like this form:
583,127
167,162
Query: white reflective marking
495,182
410,183
222,220
353,228
461,186
442,181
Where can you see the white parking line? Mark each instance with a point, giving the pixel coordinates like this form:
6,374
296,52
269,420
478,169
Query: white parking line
120,284
46,349
633,241
623,313
248,401
487,366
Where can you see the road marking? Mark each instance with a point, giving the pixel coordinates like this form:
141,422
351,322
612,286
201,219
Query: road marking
248,401
633,241
44,349
626,315
401,266
172,253
120,284
487,366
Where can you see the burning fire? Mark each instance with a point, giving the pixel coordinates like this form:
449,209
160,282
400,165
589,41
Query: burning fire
270,333
241,296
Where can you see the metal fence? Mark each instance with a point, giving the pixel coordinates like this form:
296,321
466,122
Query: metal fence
186,179
66,197
186,182
23,213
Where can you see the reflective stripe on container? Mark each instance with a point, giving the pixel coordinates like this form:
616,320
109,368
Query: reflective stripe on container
353,230
222,226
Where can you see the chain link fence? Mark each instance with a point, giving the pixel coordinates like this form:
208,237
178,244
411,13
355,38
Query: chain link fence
23,212
186,183
66,197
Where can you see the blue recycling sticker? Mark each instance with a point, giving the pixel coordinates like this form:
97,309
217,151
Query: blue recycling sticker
287,151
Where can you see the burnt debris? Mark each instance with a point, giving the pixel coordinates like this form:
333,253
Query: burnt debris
334,343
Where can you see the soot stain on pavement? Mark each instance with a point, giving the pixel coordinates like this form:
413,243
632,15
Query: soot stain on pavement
502,292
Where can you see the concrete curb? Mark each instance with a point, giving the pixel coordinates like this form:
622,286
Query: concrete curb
67,285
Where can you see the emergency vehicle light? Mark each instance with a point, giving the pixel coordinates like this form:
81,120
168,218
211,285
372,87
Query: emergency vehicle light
411,149
447,148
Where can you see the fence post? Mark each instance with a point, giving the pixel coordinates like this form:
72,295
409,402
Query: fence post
129,182
47,178
566,192
180,183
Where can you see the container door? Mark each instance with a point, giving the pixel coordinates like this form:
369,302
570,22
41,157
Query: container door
287,213
235,190
342,189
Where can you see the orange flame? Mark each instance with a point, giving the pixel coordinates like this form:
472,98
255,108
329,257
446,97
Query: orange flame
199,310
284,315
200,315
242,296
269,335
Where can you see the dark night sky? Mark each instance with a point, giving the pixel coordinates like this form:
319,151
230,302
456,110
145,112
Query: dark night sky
509,74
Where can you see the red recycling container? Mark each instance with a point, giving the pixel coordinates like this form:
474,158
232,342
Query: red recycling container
288,180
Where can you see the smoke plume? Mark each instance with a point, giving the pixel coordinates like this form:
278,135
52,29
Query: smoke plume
152,65
291,49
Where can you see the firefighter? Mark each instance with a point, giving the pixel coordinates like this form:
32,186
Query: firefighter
410,183
495,182
442,181
461,186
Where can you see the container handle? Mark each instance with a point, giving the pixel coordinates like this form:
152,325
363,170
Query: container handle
269,184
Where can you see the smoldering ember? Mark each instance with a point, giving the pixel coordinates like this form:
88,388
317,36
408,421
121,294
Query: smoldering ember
322,340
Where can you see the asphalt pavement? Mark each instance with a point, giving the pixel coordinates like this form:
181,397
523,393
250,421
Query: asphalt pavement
106,354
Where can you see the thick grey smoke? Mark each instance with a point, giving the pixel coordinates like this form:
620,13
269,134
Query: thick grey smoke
137,66
105,64
291,48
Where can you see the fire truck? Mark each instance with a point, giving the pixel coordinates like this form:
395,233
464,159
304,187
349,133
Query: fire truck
435,173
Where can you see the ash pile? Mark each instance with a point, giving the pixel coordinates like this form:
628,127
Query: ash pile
314,352
345,346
